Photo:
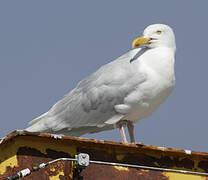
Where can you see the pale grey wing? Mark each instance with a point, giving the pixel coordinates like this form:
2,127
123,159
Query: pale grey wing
92,102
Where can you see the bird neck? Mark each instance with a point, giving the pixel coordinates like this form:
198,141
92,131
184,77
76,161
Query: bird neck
163,61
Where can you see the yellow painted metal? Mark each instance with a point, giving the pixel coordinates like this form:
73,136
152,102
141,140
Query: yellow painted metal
121,168
10,162
181,176
58,173
56,177
45,144
9,157
143,171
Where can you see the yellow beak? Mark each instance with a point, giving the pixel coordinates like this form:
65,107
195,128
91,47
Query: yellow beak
140,41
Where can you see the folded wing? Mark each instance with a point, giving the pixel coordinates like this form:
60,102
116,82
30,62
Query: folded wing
87,107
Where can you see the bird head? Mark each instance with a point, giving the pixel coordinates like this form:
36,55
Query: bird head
156,35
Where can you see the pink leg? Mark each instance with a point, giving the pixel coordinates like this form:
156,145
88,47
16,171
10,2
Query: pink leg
131,131
122,132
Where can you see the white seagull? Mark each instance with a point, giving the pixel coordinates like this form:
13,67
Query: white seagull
119,93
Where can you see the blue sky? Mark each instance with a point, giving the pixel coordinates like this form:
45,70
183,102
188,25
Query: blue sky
47,47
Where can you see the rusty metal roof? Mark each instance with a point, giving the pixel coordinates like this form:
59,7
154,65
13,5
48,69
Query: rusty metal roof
22,149
141,146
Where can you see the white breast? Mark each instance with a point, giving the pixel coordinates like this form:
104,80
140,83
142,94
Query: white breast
159,84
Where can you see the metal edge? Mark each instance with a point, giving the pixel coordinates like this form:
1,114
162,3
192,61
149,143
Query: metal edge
16,133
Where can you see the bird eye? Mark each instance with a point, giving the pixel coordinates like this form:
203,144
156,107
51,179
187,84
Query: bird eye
158,32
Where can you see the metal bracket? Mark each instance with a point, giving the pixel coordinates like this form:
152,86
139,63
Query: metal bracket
82,160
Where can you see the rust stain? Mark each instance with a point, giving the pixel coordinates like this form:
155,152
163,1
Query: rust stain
28,157
203,165
56,171
151,175
103,172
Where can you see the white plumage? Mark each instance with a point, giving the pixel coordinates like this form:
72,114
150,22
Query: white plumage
129,88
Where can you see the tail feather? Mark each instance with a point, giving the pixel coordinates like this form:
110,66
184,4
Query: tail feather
37,125
34,121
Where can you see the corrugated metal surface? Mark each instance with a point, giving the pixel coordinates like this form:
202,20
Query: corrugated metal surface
22,149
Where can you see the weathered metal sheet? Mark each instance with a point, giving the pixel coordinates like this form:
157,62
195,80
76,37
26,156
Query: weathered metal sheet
22,149
104,172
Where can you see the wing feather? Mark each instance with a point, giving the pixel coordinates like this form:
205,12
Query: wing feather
92,102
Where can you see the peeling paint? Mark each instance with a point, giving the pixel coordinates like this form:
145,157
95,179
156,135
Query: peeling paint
56,177
10,162
71,149
121,168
